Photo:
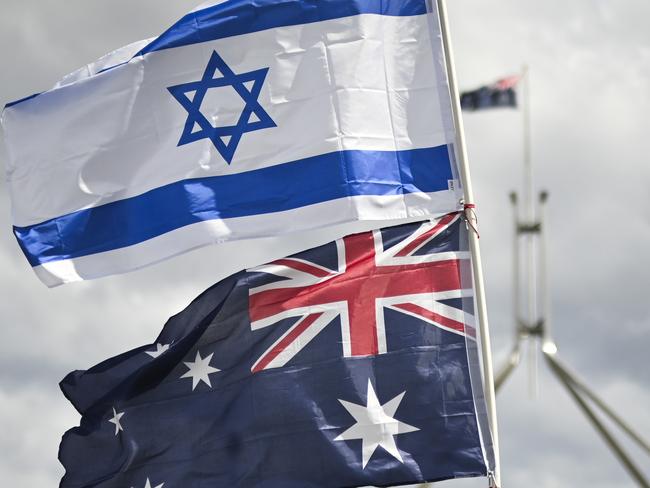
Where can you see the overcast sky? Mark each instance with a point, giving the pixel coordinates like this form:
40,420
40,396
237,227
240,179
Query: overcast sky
590,67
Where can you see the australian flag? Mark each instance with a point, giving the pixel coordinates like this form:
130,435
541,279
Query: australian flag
347,365
499,94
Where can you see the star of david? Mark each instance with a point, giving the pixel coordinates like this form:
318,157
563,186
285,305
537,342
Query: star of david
253,117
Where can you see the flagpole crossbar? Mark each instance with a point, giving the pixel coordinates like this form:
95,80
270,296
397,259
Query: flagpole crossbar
527,330
529,228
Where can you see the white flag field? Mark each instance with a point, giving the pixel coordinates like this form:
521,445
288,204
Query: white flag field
243,120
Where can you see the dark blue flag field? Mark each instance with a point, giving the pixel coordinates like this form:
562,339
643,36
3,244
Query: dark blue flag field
347,365
499,94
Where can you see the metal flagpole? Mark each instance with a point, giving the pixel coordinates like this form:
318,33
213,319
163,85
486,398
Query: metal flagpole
486,349
528,163
516,304
532,319
515,355
568,381
540,330
532,322
547,341
529,218
513,361
582,387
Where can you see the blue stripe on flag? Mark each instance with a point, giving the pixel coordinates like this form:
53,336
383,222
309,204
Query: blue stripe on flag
274,189
16,102
237,17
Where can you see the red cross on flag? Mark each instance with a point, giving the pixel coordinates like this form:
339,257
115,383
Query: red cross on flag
369,279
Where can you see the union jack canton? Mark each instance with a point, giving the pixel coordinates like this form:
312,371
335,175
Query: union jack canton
409,275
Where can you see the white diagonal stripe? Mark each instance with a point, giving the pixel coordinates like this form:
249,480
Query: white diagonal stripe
297,345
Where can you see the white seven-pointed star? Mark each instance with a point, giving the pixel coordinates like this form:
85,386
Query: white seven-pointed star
160,348
376,425
148,484
199,369
116,420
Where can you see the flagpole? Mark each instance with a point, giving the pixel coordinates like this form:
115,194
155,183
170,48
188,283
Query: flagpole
572,386
530,219
477,269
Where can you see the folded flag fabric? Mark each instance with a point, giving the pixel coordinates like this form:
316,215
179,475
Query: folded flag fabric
500,94
247,118
347,365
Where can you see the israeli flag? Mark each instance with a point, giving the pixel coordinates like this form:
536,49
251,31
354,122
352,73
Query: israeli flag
246,119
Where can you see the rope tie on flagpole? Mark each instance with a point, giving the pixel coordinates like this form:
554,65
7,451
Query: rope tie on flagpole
471,219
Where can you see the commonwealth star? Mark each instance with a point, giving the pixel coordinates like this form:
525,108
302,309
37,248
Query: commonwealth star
200,370
375,425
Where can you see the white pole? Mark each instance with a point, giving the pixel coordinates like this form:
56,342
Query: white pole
529,210
477,269
547,337
529,216
515,355
516,257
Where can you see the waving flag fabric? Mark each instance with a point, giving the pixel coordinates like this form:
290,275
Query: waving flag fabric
247,118
350,364
502,93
